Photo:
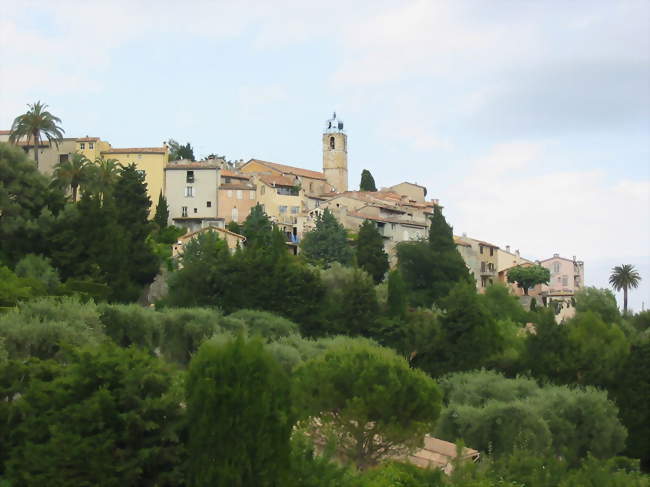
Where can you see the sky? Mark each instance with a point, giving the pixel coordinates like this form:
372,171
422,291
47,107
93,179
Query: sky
529,121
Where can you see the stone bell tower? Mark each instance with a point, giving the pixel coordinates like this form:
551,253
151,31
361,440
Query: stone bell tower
335,154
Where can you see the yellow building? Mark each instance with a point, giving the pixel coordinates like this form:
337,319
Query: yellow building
150,160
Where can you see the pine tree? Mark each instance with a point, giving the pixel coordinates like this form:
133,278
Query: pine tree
162,212
327,243
367,181
370,251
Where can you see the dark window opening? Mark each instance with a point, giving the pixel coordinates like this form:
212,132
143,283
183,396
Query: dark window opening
190,176
63,158
209,204
332,143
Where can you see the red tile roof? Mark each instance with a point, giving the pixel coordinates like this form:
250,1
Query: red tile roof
297,171
191,165
137,150
277,180
87,139
232,174
5,132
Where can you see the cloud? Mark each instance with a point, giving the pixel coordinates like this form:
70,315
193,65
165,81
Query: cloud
509,198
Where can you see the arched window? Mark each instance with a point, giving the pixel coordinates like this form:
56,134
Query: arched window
332,143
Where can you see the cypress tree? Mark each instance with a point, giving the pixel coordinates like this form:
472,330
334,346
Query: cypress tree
239,416
367,181
133,215
370,251
397,296
162,212
257,228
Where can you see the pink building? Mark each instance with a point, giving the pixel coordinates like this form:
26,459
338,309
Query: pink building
567,275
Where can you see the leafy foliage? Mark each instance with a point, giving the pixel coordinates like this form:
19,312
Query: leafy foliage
179,151
528,277
327,243
430,269
239,415
370,254
600,301
368,399
624,277
109,417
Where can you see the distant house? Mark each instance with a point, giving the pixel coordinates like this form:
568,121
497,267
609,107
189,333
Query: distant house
480,258
233,240
441,454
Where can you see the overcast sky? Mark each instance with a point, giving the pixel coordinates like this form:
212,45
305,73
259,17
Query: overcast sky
530,121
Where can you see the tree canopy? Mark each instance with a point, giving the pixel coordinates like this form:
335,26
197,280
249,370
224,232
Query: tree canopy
624,277
327,243
36,123
528,277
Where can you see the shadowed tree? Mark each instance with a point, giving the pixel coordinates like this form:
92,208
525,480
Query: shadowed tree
370,251
624,277
73,173
36,123
179,151
367,181
327,243
162,212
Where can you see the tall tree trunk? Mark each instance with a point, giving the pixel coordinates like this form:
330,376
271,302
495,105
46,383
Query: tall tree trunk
624,300
36,144
74,193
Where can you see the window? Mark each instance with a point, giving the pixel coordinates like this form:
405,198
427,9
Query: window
294,210
230,193
189,177
565,281
491,251
91,145
184,211
263,190
82,145
189,191
195,210
235,214
63,157
208,204
556,267
139,156
251,195
481,248
240,194
332,143
283,209
227,180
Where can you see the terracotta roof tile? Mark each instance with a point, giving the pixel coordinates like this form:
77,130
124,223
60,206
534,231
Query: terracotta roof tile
232,174
297,171
5,132
190,165
273,180
137,150
87,139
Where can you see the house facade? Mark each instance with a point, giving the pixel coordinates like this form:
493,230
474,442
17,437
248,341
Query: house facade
237,195
191,189
481,259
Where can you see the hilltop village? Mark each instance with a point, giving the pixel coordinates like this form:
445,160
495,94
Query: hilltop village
212,193
177,322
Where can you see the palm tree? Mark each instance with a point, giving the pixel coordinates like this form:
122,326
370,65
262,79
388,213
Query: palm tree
35,122
105,173
624,277
74,172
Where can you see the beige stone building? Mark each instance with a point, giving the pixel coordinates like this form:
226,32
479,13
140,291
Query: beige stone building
335,154
480,258
237,196
191,189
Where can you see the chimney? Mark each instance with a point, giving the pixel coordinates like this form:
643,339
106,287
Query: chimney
517,252
556,255
574,258
508,248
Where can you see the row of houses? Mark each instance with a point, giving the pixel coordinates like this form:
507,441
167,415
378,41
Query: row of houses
213,192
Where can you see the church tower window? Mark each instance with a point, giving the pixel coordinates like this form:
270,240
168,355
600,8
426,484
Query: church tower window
332,143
